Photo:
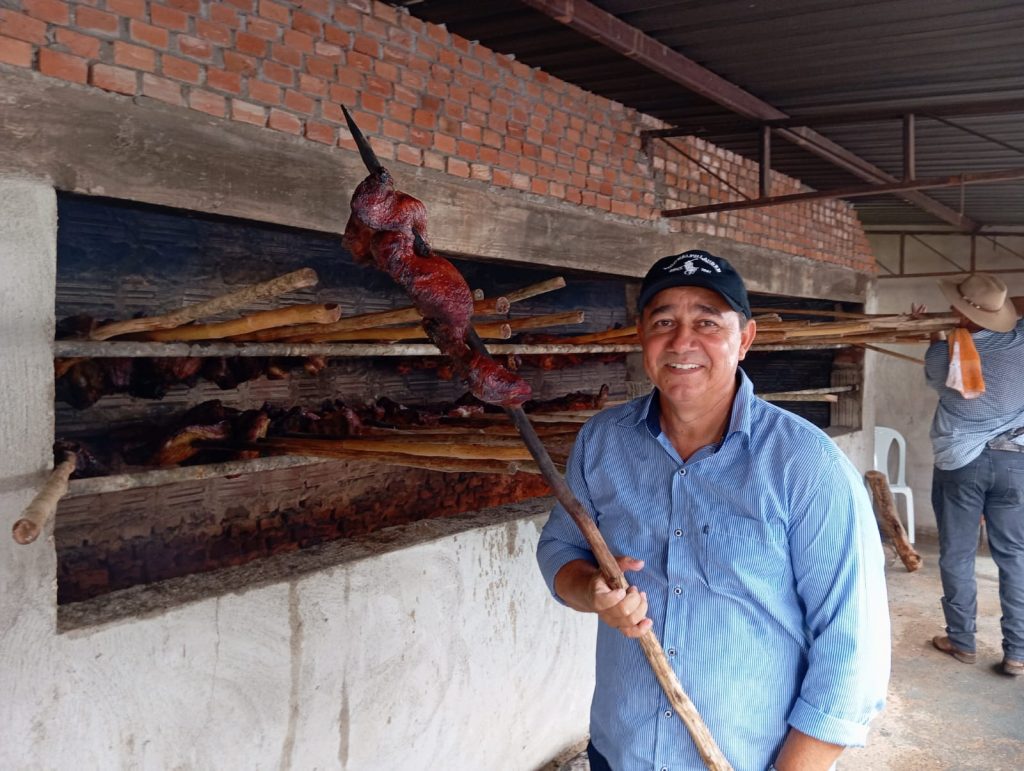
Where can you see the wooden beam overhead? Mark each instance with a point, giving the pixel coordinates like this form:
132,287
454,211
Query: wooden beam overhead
607,29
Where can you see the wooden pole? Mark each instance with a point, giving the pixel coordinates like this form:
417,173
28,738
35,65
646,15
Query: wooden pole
299,279
253,322
41,510
885,513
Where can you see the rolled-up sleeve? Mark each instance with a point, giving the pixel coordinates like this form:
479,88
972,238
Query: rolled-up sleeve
840,577
561,541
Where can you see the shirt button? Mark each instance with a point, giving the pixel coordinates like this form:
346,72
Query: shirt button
664,768
671,651
678,590
682,472
668,713
678,533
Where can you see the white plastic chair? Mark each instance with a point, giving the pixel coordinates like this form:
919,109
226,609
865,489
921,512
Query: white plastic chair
884,437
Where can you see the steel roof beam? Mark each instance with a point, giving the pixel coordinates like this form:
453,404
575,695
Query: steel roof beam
587,19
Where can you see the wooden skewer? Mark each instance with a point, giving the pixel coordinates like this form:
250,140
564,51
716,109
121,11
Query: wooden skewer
253,322
885,513
490,330
439,449
41,510
547,320
301,332
330,451
299,279
887,352
600,337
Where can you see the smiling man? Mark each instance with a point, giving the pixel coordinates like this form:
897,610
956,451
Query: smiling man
751,546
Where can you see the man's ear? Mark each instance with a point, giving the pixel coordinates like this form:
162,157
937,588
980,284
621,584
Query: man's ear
747,335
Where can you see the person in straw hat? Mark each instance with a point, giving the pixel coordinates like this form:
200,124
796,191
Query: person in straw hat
978,440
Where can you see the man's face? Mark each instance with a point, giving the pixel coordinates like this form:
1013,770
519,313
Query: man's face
692,344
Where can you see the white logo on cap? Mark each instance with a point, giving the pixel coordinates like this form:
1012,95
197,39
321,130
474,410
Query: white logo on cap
690,264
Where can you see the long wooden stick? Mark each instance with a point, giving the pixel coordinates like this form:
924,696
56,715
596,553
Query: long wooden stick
887,352
299,279
702,738
488,329
438,449
253,322
885,513
41,510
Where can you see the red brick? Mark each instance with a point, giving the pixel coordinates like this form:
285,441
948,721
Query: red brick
113,78
278,73
366,45
264,93
286,55
64,66
264,29
133,9
274,12
296,102
16,52
216,33
395,130
52,11
312,86
156,37
337,36
321,68
180,69
444,143
161,89
372,103
222,13
248,113
320,132
22,27
410,155
250,44
342,94
284,121
79,44
222,80
501,177
236,62
346,17
133,56
168,18
311,25
194,47
433,160
207,101
458,168
300,41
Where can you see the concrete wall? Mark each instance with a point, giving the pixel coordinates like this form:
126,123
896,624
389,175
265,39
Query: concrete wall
445,654
902,400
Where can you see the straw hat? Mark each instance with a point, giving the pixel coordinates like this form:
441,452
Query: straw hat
982,298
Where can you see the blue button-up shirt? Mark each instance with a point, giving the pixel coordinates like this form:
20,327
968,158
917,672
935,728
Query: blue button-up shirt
764,578
962,427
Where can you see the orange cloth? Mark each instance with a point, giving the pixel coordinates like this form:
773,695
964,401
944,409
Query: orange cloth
964,365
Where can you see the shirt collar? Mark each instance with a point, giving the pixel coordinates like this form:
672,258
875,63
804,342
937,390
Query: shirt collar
648,409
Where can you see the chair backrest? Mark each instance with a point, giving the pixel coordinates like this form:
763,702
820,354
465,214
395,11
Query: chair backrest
884,437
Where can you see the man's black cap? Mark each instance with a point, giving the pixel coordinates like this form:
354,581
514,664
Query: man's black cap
696,268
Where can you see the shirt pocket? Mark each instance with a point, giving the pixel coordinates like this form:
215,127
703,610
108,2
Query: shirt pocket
742,556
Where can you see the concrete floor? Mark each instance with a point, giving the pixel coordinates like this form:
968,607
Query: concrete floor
941,715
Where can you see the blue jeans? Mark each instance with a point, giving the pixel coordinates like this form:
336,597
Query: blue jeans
992,484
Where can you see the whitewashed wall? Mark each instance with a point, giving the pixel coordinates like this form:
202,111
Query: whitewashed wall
903,401
446,654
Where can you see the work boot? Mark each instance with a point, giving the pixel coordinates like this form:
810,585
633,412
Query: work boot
942,643
1013,667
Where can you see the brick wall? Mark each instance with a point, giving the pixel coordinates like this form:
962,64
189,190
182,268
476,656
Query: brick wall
425,96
